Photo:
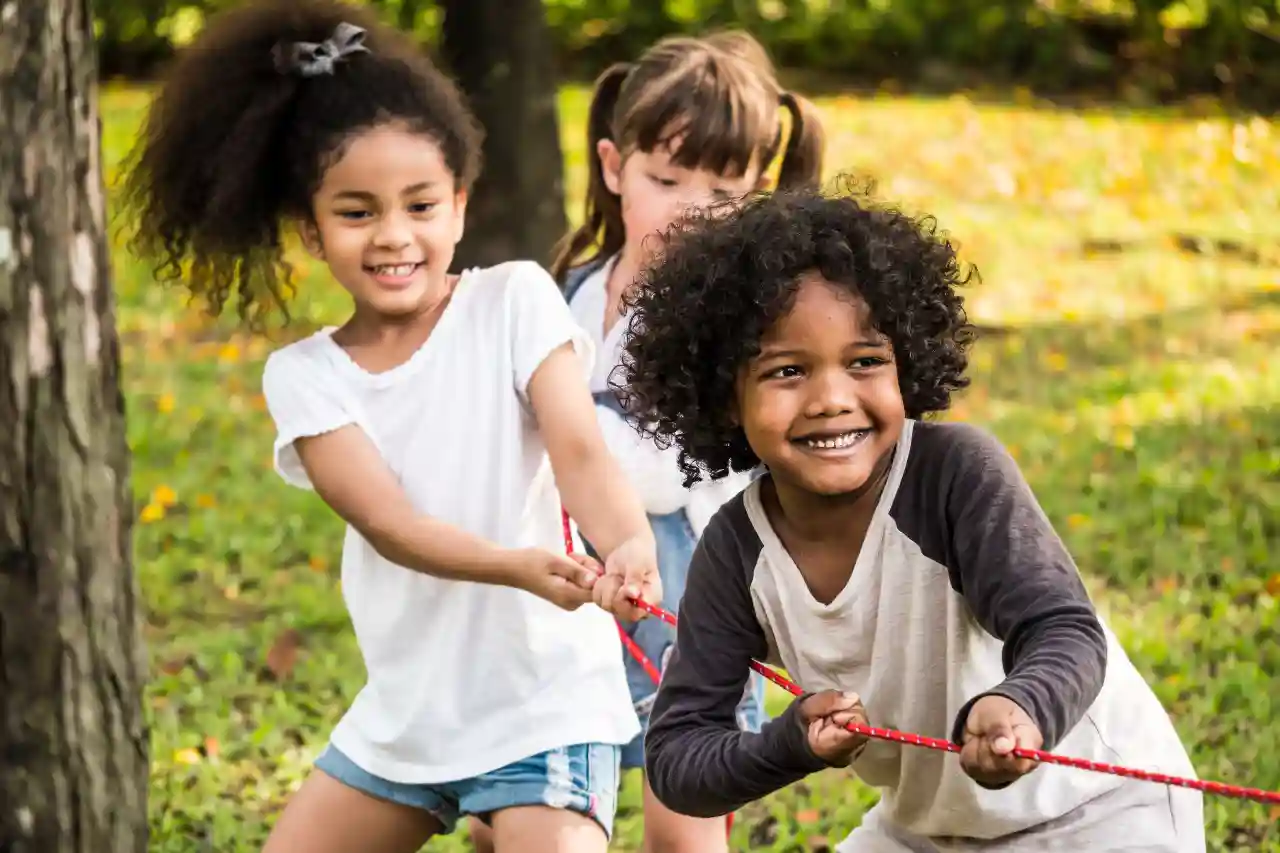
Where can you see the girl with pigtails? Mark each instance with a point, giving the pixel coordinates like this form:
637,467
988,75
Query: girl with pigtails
691,123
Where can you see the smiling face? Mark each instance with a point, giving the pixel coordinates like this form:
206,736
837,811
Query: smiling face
387,218
820,404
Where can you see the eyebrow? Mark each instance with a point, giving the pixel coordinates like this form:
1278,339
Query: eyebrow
868,343
368,196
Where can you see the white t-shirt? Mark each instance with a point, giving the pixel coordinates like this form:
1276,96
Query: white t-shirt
463,678
651,469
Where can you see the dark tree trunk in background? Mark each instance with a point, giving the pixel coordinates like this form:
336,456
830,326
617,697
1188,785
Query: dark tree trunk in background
73,743
500,52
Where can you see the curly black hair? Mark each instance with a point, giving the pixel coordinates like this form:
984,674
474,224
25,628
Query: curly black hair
726,276
237,141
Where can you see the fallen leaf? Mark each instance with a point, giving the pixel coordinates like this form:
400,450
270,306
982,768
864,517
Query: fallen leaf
808,816
212,748
151,512
1273,586
283,654
187,756
173,667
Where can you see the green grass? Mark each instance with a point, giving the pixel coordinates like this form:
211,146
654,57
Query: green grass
1132,376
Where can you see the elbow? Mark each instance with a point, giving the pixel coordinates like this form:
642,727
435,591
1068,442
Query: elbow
667,776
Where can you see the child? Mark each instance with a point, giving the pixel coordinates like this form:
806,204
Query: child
442,422
693,122
882,556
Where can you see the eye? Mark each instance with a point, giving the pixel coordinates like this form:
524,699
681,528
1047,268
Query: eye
663,182
786,371
422,207
352,215
868,362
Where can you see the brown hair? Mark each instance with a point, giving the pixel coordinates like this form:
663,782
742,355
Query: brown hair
238,138
720,96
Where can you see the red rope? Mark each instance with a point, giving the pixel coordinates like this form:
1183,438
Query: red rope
1220,788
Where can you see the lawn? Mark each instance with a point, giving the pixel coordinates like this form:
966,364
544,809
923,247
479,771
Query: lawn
1131,308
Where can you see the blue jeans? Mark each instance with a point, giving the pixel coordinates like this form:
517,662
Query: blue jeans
582,778
656,638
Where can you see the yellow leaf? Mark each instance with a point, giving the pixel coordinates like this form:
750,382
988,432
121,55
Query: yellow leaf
164,496
1077,520
206,501
187,756
229,353
318,563
151,512
165,403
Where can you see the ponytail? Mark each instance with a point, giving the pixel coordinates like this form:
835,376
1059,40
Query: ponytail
802,160
602,213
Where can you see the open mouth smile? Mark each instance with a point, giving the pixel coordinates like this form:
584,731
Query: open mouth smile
837,441
393,275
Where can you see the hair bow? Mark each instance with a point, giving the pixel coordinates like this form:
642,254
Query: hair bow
311,59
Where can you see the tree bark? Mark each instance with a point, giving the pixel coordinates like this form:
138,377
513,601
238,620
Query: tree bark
73,743
500,52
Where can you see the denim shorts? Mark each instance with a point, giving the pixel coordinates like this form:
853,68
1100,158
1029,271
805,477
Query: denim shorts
675,540
582,778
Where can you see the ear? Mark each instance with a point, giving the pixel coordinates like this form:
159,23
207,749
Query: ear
311,240
610,165
459,215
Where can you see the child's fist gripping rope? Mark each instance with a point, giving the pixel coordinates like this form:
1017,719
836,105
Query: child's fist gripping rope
827,717
995,730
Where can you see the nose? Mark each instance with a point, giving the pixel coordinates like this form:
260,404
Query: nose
831,393
393,231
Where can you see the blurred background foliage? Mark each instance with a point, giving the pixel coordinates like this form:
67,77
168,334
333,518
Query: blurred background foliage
1135,50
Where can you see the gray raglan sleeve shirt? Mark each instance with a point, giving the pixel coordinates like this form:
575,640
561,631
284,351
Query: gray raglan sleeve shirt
697,760
965,503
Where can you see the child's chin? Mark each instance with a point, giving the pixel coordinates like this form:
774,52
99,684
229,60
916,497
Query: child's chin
835,483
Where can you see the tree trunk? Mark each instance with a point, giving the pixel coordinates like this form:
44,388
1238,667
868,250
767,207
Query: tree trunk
73,743
500,53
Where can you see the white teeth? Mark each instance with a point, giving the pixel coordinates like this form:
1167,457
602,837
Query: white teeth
398,270
840,441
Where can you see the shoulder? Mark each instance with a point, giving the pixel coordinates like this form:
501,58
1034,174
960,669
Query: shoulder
957,455
296,362
510,278
730,538
576,277
951,469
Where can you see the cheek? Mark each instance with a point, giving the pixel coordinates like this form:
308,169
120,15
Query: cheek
886,399
768,415
644,210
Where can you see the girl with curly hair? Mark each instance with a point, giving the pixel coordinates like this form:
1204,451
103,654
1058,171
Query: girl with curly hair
691,122
443,421
883,555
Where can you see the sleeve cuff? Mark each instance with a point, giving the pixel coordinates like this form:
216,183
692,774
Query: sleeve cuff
1013,694
789,742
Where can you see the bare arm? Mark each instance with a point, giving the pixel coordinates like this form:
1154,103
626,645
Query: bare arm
592,483
352,478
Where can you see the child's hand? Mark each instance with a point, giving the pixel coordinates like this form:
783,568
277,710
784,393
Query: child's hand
996,726
826,716
566,582
630,571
